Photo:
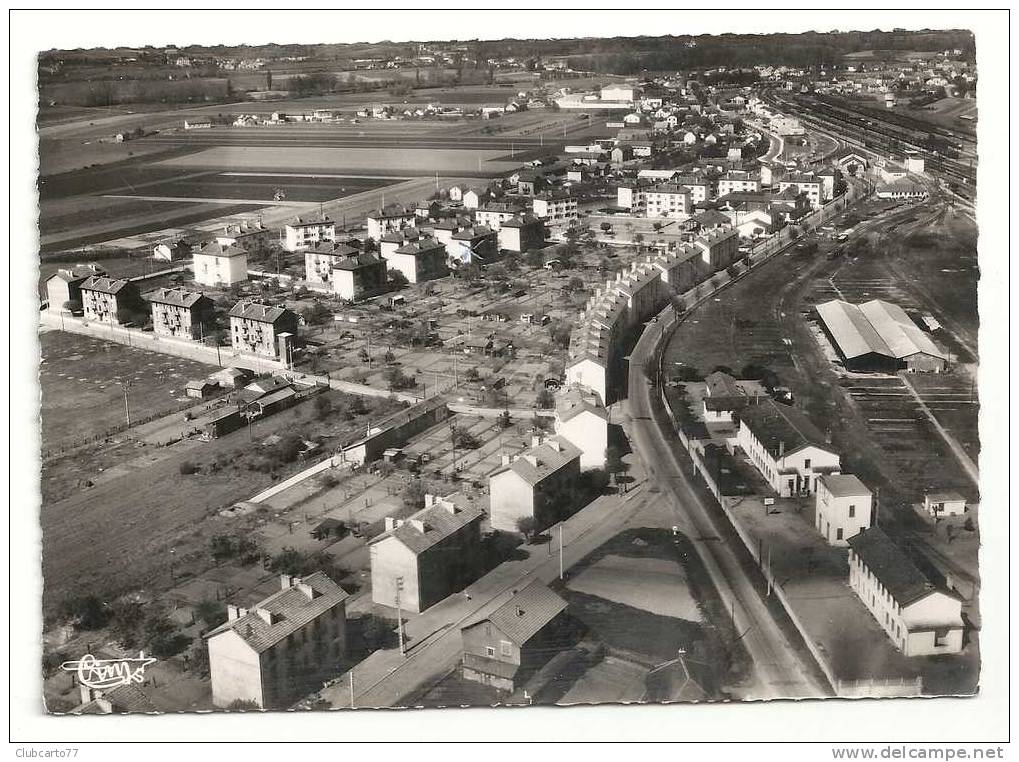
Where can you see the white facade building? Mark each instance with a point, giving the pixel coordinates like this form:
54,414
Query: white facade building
843,509
918,618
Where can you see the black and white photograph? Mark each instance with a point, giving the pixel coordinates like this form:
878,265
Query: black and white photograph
458,364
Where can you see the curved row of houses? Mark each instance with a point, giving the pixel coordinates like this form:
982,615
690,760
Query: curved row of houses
601,338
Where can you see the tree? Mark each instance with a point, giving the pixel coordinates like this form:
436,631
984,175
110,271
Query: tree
397,279
605,227
211,611
614,463
545,399
85,612
535,258
414,494
527,526
287,561
323,406
504,420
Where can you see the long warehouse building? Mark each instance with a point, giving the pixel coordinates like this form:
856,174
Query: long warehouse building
879,336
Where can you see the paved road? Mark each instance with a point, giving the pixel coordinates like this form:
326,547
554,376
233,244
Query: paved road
778,668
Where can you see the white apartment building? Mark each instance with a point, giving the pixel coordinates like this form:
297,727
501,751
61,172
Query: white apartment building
282,648
216,264
257,328
388,220
494,213
306,232
812,186
581,420
785,447
738,182
555,208
669,200
918,618
843,508
179,313
633,198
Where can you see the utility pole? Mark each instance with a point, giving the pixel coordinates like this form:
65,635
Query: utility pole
127,406
560,550
399,616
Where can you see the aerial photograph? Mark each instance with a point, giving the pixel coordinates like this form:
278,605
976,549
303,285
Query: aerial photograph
435,373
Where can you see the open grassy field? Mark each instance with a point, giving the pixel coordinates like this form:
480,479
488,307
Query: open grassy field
81,380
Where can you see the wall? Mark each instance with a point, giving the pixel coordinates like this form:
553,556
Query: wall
223,357
234,670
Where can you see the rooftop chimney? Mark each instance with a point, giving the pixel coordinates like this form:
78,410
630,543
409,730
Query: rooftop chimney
781,449
286,581
231,612
536,440
266,616
505,459
519,611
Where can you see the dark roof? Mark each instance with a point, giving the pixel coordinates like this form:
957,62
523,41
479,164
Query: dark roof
357,261
521,220
315,219
263,313
893,568
104,285
333,249
216,249
538,463
774,425
434,523
420,246
721,384
290,609
176,297
525,614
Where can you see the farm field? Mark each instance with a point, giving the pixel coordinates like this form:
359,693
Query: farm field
261,186
404,161
81,380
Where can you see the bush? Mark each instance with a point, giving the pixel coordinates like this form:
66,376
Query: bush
243,549
545,399
414,494
323,406
86,612
187,468
212,612
287,561
527,526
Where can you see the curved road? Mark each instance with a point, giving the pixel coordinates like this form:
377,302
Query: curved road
779,671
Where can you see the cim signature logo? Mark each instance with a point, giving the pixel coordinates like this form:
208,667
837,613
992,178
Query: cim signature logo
104,674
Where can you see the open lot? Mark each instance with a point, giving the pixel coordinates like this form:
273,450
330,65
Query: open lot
82,381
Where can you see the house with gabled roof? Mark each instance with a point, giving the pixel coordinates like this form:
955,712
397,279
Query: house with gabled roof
261,329
103,298
301,233
539,483
282,648
64,286
510,644
219,264
428,556
790,452
179,312
918,617
581,419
